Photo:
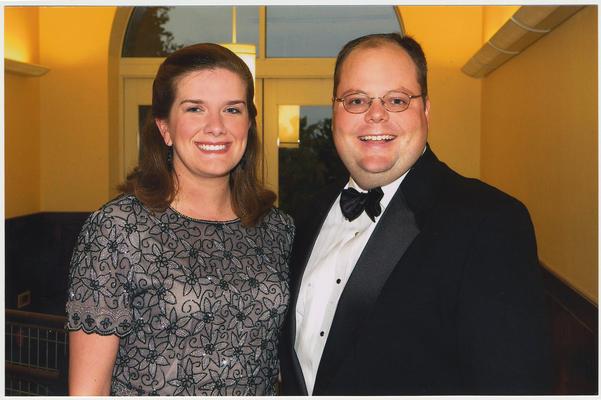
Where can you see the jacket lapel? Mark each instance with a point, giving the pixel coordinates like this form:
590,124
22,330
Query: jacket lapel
394,233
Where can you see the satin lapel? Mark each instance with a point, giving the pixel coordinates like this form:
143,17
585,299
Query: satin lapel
395,232
301,254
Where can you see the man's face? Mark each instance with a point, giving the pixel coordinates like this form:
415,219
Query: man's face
379,146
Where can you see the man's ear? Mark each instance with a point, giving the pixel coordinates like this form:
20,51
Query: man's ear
427,111
164,129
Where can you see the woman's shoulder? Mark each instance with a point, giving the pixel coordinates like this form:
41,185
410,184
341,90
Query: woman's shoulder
277,216
118,210
279,221
120,206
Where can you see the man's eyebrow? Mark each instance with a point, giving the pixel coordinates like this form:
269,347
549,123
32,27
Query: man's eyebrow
398,89
351,91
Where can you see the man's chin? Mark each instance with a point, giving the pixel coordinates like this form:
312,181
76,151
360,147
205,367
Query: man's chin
371,179
376,167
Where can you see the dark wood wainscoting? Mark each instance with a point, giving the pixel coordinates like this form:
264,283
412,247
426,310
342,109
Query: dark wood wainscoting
38,249
39,246
574,337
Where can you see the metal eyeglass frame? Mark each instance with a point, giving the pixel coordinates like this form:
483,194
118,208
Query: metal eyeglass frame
371,100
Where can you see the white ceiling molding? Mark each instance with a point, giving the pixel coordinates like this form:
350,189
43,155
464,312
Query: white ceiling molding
24,68
526,26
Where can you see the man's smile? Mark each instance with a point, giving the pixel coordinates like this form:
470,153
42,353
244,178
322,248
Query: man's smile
377,138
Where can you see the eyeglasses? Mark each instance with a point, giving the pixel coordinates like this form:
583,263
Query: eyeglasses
358,103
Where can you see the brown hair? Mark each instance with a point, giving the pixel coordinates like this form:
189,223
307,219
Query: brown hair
153,181
407,43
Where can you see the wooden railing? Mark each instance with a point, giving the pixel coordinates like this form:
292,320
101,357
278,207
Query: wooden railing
35,354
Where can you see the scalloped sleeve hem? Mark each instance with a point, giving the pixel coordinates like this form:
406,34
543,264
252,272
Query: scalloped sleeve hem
101,321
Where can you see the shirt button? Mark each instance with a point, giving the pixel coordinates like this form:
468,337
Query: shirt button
322,333
356,233
338,280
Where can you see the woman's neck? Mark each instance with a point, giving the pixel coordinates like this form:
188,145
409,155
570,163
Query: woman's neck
207,199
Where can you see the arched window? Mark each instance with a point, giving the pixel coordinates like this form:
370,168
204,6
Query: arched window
291,31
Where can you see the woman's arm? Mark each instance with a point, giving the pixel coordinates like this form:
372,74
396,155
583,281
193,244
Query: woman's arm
91,361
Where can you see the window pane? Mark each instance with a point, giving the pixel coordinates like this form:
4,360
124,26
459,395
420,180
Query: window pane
311,165
321,31
157,31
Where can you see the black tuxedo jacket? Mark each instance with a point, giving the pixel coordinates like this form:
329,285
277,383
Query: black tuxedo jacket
445,298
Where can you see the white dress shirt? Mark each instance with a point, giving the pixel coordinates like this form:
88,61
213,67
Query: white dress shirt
336,251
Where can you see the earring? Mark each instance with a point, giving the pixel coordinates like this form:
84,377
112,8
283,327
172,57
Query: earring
170,157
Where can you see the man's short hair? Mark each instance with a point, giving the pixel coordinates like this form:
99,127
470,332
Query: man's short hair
405,42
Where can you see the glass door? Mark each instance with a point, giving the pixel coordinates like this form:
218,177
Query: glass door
299,155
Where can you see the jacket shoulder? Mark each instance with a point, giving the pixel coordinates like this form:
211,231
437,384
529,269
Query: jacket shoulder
475,194
432,186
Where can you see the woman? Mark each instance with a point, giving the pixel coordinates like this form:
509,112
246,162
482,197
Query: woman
179,286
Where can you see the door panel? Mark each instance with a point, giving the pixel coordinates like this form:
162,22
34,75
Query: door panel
314,92
298,163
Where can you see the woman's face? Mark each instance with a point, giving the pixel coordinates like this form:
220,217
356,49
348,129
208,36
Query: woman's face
208,124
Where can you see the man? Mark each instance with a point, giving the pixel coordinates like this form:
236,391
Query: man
434,288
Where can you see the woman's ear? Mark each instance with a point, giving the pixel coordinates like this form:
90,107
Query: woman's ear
163,126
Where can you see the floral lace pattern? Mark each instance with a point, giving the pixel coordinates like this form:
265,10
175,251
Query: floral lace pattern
197,305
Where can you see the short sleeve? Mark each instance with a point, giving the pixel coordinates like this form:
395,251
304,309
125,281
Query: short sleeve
100,284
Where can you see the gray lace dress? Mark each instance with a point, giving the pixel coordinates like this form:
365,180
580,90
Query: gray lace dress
197,305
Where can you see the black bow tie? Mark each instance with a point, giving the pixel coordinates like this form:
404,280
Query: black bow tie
353,203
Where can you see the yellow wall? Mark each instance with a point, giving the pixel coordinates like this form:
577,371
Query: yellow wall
539,143
493,18
74,106
22,122
21,34
450,35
